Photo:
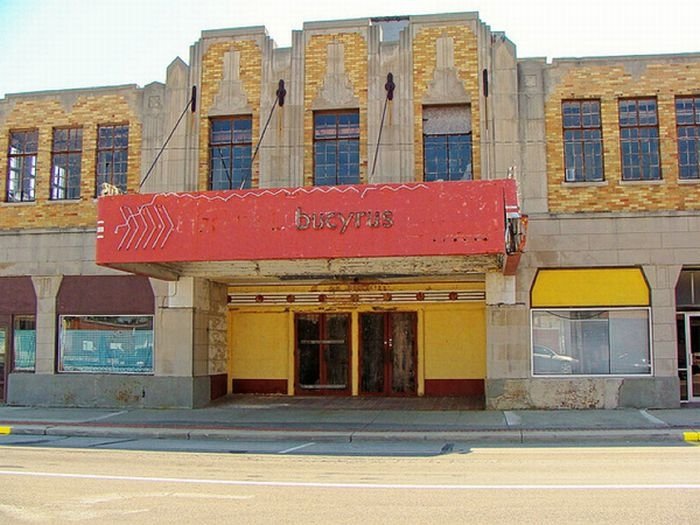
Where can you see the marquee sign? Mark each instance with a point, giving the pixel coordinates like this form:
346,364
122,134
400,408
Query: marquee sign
378,220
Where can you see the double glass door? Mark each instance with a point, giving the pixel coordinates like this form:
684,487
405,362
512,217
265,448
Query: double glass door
387,363
688,336
388,353
323,354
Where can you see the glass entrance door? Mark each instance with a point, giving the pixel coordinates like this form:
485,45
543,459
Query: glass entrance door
4,362
322,354
688,331
388,353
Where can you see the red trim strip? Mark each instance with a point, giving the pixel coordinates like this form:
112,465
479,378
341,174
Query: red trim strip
217,386
259,386
454,387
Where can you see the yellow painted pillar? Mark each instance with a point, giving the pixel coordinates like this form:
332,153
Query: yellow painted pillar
291,346
355,352
420,339
229,361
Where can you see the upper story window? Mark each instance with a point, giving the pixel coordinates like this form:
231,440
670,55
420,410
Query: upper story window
230,158
112,154
639,139
65,163
447,143
336,148
583,141
21,173
688,125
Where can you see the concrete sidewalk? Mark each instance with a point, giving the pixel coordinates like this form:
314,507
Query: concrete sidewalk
266,419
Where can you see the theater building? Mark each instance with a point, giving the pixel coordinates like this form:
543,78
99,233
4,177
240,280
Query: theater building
389,207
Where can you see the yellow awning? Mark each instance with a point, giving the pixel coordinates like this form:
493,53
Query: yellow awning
591,287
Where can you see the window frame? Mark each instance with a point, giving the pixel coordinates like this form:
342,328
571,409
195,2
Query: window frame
240,177
23,155
70,154
61,367
639,140
448,159
695,101
110,174
608,309
583,142
339,139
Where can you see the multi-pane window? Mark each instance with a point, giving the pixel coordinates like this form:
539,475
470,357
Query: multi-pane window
21,176
65,166
336,148
447,143
112,154
583,141
230,159
688,125
639,139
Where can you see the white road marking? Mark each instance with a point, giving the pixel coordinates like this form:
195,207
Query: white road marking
330,485
653,419
295,448
106,416
512,419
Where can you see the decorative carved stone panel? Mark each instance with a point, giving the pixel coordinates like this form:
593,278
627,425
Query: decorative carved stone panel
446,86
337,91
231,98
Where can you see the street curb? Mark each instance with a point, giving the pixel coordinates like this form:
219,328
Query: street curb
513,436
692,436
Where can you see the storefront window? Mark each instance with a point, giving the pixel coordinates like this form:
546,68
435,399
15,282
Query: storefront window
24,343
591,342
106,344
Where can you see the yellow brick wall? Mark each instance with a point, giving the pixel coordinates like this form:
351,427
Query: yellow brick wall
466,60
212,74
44,114
355,50
608,83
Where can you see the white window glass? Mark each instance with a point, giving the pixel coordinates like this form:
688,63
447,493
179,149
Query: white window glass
106,344
591,342
24,343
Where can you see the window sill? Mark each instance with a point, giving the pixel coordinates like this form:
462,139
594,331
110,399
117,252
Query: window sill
584,184
688,182
65,201
20,203
589,376
655,182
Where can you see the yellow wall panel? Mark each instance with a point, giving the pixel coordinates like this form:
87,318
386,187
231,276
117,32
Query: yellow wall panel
260,345
455,342
590,287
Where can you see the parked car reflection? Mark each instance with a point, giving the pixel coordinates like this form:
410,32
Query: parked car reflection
547,361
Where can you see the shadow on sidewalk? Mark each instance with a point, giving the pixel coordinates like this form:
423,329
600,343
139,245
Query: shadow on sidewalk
350,403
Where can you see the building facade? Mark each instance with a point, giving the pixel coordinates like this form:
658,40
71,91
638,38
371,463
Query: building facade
389,207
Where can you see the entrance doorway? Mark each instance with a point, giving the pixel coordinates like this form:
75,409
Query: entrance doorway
323,354
388,353
4,362
688,330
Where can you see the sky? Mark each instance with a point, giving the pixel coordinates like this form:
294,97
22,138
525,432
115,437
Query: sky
62,44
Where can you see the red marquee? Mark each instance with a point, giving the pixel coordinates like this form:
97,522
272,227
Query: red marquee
377,220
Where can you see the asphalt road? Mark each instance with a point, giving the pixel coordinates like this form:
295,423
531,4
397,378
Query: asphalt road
654,484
